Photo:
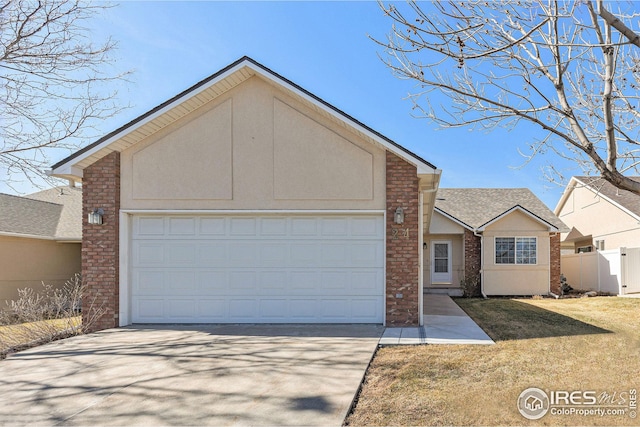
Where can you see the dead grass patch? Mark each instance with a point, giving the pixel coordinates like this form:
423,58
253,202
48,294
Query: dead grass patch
26,335
574,344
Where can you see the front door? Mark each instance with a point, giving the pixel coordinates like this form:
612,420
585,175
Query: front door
441,262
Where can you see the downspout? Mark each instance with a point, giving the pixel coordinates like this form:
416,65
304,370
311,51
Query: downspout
475,233
551,235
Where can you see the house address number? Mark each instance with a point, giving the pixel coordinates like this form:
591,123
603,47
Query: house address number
400,233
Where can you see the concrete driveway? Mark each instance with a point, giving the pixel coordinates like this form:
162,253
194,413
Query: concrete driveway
190,375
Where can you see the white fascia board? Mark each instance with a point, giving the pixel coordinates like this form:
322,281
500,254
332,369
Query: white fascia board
565,195
26,236
67,171
551,227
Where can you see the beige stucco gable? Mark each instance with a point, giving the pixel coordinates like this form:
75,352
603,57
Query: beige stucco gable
254,148
440,224
597,218
516,222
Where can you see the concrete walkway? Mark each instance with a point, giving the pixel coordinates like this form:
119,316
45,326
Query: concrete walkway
444,323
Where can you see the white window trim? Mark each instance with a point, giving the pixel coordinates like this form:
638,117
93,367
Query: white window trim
515,253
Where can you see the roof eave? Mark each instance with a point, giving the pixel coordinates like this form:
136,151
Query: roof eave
68,169
551,228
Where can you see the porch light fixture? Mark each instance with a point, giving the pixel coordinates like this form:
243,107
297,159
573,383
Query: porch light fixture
398,217
95,217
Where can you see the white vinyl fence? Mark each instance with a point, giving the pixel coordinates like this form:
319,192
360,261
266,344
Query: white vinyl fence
615,271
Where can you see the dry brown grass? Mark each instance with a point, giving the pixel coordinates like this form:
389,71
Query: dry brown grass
570,344
25,335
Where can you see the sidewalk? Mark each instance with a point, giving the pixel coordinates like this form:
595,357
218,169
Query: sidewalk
444,323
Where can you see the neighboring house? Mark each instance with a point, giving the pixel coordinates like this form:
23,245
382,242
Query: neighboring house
247,199
40,239
599,216
601,250
505,241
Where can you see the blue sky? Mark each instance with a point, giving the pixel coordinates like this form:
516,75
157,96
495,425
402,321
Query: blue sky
321,46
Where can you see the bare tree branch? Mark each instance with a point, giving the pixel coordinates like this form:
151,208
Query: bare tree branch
572,68
56,84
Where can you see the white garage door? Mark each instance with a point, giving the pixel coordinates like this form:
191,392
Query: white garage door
257,269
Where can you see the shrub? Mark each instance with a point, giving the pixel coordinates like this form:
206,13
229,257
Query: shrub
39,317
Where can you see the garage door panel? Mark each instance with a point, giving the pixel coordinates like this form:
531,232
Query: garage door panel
181,226
182,310
243,309
148,253
366,254
299,268
240,282
150,282
333,227
212,227
365,310
212,282
149,226
213,254
149,309
274,254
273,282
305,254
304,227
303,281
242,227
366,227
181,253
273,226
274,309
366,282
212,310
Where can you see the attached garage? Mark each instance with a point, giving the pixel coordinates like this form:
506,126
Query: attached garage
257,268
247,199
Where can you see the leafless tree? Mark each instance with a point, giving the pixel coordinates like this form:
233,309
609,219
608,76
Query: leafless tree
570,68
55,82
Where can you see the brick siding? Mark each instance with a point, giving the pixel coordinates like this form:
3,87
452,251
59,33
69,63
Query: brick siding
402,257
554,273
100,244
472,264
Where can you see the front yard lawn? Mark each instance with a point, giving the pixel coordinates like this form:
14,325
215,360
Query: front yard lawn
585,344
25,335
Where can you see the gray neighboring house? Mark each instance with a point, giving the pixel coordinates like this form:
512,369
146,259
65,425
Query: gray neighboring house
40,239
505,241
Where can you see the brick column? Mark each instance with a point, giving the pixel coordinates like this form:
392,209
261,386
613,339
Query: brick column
554,264
100,244
472,263
402,257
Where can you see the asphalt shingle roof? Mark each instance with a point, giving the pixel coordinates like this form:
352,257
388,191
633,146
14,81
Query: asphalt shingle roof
55,213
624,198
477,206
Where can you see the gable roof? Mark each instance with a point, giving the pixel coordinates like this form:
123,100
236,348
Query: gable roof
476,208
206,90
623,199
54,214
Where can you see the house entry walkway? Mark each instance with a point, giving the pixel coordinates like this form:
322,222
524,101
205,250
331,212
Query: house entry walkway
444,323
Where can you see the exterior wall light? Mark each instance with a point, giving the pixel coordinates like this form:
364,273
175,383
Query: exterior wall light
398,217
95,217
